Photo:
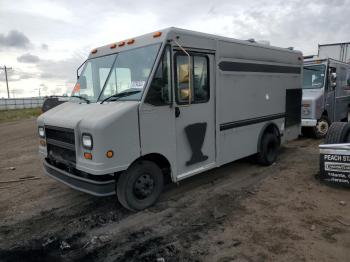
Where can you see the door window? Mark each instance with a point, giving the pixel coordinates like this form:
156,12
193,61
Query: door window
197,68
159,92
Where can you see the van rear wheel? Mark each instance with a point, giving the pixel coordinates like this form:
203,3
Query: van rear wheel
140,185
269,147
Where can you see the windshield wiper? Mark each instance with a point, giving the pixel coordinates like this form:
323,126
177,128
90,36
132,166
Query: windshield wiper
83,98
120,95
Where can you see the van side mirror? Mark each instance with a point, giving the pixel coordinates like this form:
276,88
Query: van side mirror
333,79
185,81
185,70
184,93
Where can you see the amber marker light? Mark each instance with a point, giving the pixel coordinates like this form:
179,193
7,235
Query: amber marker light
157,34
113,46
122,43
131,41
109,154
94,51
88,155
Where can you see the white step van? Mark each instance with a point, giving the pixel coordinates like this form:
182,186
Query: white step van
169,105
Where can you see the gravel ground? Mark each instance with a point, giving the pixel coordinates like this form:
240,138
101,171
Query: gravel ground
238,212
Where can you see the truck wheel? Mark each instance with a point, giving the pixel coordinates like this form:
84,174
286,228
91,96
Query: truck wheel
268,149
140,186
339,132
346,134
321,128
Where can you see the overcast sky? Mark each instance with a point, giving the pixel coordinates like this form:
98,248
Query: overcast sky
45,41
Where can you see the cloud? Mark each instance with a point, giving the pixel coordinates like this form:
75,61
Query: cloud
60,70
68,30
44,87
14,39
16,74
28,58
44,47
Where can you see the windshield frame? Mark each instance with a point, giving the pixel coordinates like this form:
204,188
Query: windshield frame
150,76
324,78
83,67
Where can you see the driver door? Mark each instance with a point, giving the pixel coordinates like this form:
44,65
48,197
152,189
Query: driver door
194,113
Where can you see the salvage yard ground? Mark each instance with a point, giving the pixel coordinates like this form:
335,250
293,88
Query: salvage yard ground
239,212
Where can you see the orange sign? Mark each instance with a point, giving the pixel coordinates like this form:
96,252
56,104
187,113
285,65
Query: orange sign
76,88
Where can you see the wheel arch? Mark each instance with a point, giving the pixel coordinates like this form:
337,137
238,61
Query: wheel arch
269,127
161,161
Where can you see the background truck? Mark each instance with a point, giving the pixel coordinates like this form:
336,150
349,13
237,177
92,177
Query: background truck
169,105
336,51
326,94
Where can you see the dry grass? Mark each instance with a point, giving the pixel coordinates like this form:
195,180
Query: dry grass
19,114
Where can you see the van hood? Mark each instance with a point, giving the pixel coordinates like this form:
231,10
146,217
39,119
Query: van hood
72,115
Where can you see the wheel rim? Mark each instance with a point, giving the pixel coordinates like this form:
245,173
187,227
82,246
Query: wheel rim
322,127
143,186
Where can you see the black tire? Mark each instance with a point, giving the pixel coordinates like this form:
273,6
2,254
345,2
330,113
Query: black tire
321,128
140,186
339,132
346,134
269,148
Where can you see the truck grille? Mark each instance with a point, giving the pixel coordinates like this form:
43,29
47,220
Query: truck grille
60,134
60,145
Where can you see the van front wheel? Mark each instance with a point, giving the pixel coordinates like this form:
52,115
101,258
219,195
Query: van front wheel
321,128
140,186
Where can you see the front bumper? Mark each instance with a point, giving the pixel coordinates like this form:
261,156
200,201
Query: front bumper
90,186
308,122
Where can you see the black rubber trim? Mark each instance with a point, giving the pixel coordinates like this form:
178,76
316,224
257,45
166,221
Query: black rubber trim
261,68
250,121
93,187
60,144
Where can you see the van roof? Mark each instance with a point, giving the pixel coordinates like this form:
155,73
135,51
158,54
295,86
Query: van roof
148,39
322,60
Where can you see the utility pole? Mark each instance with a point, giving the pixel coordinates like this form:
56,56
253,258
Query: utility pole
5,68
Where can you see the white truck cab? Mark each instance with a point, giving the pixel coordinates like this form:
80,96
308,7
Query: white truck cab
326,94
166,106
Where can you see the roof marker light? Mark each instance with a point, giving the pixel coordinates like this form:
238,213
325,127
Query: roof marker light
94,51
131,41
114,45
157,34
122,43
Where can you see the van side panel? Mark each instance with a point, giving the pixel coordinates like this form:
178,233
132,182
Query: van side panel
252,83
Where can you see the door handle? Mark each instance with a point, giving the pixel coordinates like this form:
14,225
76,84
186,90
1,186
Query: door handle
177,112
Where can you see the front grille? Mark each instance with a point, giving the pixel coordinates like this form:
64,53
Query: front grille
60,145
61,134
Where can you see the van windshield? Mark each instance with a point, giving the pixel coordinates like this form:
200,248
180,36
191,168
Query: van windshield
313,76
125,72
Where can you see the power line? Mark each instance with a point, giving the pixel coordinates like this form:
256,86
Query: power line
5,68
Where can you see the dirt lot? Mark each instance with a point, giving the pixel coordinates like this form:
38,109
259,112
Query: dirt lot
239,212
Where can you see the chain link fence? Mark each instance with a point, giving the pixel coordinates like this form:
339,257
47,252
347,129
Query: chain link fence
20,103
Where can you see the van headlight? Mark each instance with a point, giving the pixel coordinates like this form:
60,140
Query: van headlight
87,141
306,109
41,131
